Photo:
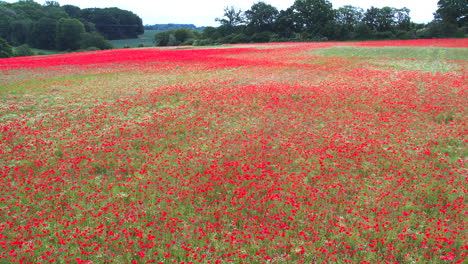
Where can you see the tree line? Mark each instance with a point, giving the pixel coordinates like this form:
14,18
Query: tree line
54,27
317,20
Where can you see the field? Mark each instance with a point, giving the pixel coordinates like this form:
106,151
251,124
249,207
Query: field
146,39
351,152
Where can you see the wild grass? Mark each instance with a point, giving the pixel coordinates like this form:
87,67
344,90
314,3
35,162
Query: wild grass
423,53
429,59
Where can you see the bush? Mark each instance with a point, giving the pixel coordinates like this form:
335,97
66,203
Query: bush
23,50
236,38
166,38
94,39
5,49
439,29
204,42
182,35
261,37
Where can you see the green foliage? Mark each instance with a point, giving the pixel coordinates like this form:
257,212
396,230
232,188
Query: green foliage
20,31
94,39
349,15
285,24
232,17
261,16
44,33
72,11
183,35
235,38
313,15
5,49
260,37
162,38
69,33
114,23
453,12
23,50
27,22
440,29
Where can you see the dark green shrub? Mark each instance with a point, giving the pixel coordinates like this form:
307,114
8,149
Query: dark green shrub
23,50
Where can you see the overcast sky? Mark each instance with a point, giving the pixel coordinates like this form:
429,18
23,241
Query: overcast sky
203,12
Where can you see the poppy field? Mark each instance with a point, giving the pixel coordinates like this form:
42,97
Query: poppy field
271,153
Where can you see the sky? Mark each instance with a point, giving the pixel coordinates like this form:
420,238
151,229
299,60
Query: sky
204,12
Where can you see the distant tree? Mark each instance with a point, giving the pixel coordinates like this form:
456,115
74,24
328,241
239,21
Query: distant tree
28,9
20,31
52,3
130,24
72,11
94,39
7,15
286,24
402,18
261,37
5,49
44,33
172,41
162,38
69,33
452,11
261,16
380,19
184,35
349,16
114,23
210,33
313,15
23,50
232,17
53,10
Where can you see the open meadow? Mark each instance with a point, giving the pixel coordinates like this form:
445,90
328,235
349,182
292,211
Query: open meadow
334,152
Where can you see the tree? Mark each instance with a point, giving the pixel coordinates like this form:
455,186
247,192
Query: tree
184,35
94,39
69,32
402,18
349,16
7,15
163,38
53,10
72,11
20,31
232,17
52,3
5,49
452,11
114,23
380,19
286,24
261,16
44,33
23,50
313,15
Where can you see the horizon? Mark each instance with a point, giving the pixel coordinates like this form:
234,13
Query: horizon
208,10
